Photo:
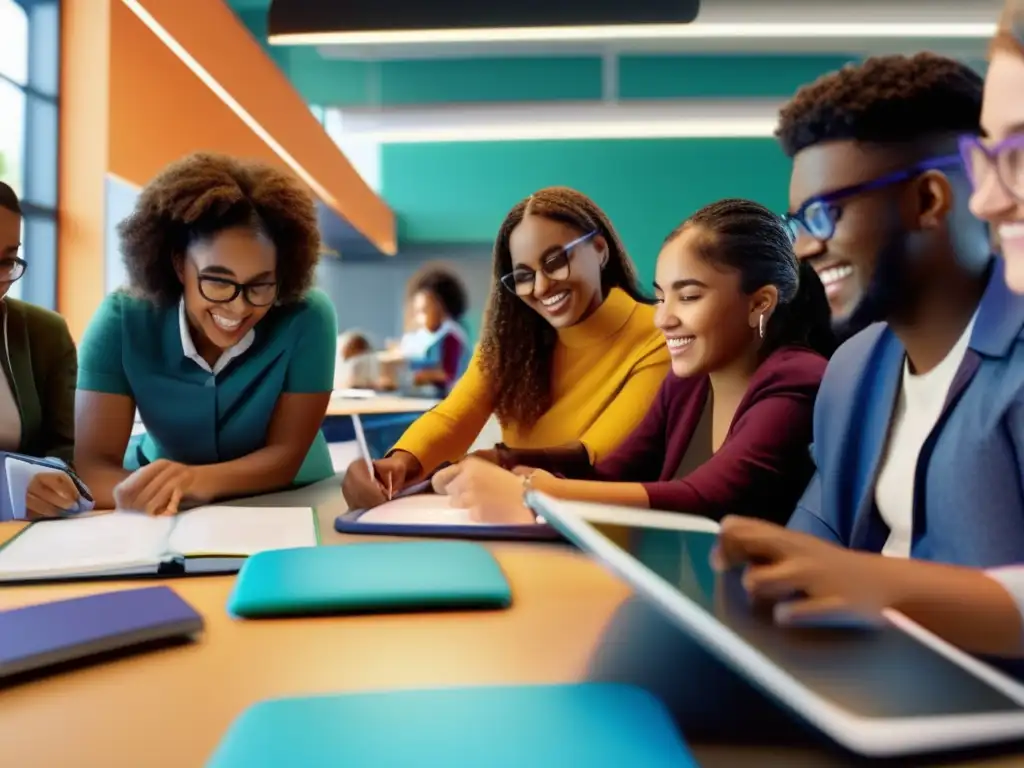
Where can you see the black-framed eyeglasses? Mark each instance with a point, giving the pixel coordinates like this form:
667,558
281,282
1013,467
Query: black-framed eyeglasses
221,290
819,215
1006,159
12,268
554,265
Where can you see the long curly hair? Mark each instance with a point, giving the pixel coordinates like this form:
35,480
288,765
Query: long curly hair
517,344
194,199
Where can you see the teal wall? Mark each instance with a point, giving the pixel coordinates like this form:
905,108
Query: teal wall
459,193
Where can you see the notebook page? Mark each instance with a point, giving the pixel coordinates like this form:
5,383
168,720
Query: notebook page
241,531
425,509
86,545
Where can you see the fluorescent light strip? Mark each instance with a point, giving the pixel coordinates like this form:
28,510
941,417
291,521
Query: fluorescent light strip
755,127
211,82
695,31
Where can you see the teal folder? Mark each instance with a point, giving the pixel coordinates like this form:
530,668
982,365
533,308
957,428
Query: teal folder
368,578
589,725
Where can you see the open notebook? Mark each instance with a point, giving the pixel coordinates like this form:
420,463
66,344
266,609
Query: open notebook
123,544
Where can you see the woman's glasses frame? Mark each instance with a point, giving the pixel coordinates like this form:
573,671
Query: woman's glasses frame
206,282
995,157
555,266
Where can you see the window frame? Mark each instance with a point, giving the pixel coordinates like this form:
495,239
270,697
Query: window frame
40,137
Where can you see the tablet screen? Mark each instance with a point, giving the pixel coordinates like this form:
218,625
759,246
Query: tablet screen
874,673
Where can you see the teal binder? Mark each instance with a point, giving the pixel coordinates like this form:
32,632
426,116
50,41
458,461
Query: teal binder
589,725
369,577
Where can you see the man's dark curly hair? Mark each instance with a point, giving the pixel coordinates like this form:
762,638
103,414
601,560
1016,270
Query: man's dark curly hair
196,198
884,100
445,287
9,199
517,344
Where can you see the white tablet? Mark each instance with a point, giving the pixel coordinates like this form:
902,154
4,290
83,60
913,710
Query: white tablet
883,691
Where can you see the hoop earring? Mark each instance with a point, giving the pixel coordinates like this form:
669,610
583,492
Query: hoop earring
760,325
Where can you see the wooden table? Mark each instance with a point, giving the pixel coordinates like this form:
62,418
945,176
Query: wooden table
171,707
360,406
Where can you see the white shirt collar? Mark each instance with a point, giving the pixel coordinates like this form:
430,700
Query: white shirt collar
189,348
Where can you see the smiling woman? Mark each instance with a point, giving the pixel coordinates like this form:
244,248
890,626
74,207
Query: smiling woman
219,342
569,352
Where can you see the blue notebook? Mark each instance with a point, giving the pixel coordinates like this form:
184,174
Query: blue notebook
589,725
48,634
367,578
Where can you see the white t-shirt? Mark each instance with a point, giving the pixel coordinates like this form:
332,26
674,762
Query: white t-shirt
917,410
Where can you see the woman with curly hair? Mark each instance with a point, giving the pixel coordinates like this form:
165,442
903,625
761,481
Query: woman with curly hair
569,352
219,342
438,348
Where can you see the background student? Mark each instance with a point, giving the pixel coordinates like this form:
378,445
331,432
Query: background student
939,382
37,389
749,331
357,366
220,343
437,349
977,610
569,350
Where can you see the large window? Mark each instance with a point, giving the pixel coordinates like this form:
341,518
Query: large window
29,77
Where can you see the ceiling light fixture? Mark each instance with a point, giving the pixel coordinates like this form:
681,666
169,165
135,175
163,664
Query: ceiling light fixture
753,127
695,31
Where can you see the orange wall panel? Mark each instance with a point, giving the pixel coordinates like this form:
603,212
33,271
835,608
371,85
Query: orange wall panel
211,33
161,111
84,122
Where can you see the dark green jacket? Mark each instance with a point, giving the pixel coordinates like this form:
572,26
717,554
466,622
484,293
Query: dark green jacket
39,359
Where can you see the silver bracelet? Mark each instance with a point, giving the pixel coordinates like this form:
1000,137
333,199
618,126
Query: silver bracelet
527,487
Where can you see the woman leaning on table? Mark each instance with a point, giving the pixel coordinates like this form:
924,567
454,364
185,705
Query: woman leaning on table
37,390
981,611
219,341
569,352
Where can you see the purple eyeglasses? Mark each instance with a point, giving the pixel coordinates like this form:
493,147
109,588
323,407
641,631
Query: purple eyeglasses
1005,158
819,214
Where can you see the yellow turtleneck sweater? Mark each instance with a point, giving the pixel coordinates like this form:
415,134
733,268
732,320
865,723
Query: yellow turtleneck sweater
606,372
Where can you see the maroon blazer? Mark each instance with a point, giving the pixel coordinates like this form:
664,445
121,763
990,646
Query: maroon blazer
761,469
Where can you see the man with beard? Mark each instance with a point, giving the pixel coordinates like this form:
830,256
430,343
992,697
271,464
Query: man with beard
919,423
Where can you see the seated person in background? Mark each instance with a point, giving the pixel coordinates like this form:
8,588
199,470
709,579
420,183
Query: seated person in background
918,426
220,342
438,349
37,390
357,363
569,350
749,331
977,610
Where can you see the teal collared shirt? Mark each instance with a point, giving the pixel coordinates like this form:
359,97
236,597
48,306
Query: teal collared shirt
193,416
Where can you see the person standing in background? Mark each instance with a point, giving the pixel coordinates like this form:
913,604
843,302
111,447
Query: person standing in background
40,366
437,350
569,352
